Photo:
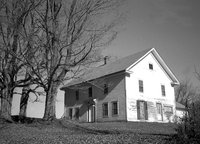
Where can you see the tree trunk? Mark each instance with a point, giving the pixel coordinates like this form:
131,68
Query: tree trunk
6,103
24,102
50,104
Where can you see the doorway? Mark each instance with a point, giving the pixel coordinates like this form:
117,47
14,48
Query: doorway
91,113
142,110
159,111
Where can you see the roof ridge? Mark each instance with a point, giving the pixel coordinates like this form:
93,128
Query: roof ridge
110,68
146,50
131,55
108,64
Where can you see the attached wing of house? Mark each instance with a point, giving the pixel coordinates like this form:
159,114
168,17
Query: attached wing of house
180,110
114,91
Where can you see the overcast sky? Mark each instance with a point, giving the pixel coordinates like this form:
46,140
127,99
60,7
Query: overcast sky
170,26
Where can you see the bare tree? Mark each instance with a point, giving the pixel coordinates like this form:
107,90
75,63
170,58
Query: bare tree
13,48
185,92
188,95
29,28
70,34
26,91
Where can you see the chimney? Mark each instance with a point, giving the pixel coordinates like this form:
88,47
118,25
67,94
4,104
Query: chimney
105,60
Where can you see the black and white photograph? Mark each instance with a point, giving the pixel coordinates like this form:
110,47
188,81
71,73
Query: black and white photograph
99,71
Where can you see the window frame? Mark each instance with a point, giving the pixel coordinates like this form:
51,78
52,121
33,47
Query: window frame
113,108
105,89
167,106
104,110
141,86
77,95
163,90
150,66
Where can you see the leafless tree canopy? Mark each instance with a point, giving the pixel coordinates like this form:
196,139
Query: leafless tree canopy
14,15
44,42
186,92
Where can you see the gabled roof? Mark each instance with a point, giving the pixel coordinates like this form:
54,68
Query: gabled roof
123,64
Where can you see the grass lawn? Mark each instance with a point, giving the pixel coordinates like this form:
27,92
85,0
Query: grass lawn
64,131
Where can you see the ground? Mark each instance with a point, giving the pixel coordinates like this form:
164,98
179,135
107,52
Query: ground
65,131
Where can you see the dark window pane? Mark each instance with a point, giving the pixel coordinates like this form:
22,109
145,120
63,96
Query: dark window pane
114,108
163,90
77,95
90,92
105,109
70,113
105,89
141,88
151,66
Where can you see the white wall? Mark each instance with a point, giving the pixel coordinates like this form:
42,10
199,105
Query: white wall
152,80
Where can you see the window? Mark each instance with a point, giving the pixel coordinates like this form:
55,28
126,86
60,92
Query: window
168,109
163,90
70,113
141,88
77,95
90,92
151,66
114,108
105,89
105,109
77,113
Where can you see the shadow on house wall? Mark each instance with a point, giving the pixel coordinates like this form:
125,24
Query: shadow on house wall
115,83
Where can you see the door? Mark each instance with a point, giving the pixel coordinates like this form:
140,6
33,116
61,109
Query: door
142,110
91,114
159,111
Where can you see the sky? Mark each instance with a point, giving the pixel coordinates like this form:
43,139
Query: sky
172,27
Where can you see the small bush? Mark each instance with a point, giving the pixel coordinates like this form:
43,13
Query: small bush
188,129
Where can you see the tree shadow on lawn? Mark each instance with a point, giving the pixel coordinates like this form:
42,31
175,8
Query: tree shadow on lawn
79,127
76,126
59,128
165,138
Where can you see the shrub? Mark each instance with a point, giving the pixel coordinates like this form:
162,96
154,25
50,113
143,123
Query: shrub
188,129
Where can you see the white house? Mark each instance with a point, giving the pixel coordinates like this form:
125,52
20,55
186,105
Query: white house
139,87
